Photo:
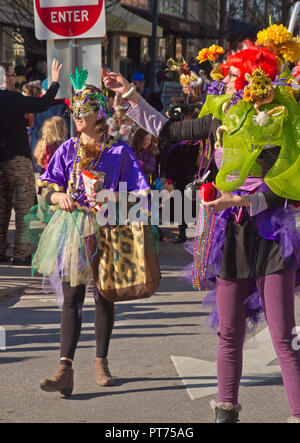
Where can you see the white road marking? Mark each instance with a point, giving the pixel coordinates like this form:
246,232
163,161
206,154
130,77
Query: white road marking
200,376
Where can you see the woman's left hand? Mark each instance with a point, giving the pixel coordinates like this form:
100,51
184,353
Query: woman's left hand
226,200
91,198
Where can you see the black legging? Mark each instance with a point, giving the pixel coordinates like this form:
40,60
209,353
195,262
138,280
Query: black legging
71,320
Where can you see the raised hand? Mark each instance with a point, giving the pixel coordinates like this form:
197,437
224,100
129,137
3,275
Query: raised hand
56,68
115,82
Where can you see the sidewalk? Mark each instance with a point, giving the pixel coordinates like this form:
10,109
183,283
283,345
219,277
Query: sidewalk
15,279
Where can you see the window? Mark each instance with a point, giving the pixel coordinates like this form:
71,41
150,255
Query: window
173,7
144,4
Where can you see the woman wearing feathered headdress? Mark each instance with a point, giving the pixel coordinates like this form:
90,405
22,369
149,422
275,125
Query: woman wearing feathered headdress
73,248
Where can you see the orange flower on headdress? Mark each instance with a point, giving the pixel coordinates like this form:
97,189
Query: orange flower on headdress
203,55
215,52
211,54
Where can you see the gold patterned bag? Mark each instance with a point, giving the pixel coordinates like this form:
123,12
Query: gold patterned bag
125,264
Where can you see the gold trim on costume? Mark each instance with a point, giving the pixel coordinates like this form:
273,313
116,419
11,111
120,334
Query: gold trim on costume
46,184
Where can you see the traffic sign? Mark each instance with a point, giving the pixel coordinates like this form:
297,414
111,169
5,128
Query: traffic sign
67,19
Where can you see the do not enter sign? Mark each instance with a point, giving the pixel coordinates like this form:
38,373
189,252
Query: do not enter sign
65,19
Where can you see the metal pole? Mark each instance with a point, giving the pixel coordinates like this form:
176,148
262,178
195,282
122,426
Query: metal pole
153,42
72,68
294,17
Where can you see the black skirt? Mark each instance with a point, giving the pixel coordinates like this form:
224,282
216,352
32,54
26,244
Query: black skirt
246,254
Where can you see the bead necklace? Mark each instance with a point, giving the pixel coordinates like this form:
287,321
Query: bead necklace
202,247
76,170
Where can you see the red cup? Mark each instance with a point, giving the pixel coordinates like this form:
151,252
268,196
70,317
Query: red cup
208,192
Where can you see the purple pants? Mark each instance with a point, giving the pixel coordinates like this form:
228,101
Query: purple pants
277,296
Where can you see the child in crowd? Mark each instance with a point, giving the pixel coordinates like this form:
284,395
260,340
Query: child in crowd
145,148
53,134
121,127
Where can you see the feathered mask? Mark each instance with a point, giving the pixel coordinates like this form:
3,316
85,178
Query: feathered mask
88,99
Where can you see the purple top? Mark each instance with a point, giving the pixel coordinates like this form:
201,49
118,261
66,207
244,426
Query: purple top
117,161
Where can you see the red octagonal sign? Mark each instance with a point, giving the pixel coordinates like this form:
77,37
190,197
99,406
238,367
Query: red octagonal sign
67,18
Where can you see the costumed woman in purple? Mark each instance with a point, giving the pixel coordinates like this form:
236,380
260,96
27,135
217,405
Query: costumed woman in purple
250,245
74,249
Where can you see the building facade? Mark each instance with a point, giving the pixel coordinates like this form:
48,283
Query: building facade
187,25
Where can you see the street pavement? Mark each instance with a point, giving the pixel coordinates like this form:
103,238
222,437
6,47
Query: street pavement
162,355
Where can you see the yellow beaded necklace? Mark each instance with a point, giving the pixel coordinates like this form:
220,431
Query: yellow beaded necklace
76,170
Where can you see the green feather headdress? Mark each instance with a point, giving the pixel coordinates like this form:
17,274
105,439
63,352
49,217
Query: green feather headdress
79,80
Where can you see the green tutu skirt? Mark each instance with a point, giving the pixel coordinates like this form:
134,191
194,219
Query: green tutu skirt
64,250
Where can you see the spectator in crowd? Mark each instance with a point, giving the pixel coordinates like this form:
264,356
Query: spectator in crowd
144,145
194,66
53,134
123,126
41,70
60,108
145,68
17,187
30,90
20,71
145,148
151,97
161,76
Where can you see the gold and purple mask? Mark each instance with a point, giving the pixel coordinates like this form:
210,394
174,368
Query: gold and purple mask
89,100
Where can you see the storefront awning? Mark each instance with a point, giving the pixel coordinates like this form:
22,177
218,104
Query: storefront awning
121,21
15,18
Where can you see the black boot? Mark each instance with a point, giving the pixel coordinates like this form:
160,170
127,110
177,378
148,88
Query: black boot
181,238
226,412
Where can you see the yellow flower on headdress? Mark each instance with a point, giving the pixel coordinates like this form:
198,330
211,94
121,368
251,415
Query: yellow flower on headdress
247,96
281,41
273,36
217,73
258,87
290,50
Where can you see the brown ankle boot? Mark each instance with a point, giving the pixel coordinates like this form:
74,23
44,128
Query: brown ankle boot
61,381
102,373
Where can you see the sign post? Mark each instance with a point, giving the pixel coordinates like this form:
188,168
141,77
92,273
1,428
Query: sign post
61,19
73,29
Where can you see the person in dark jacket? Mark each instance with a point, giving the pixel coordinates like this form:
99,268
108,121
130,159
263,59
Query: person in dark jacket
17,186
